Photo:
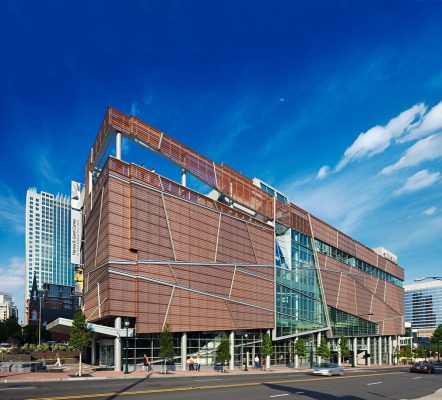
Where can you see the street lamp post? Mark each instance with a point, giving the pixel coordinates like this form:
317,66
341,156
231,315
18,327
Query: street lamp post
126,324
247,355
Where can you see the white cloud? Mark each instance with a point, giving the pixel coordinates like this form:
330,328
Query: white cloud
419,180
323,172
44,166
430,211
378,138
430,123
12,212
14,270
134,109
426,149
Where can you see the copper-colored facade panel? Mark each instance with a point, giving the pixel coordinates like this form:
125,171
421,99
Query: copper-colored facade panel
346,243
366,254
324,232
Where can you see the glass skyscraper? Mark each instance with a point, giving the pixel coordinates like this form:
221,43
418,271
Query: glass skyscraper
48,240
423,305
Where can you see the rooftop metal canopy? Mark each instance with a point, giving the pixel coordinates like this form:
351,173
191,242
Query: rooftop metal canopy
64,325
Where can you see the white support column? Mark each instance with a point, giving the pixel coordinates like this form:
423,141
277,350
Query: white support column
369,352
390,351
296,356
339,352
355,351
118,146
117,346
380,350
268,357
183,177
94,349
318,340
183,351
232,350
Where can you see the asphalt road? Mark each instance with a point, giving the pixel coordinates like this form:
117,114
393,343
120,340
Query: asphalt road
390,384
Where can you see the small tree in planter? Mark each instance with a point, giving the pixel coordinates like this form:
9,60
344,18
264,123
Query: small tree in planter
166,346
301,349
323,350
80,336
345,348
267,348
223,352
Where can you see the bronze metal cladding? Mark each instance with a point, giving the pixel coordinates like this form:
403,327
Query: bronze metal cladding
162,253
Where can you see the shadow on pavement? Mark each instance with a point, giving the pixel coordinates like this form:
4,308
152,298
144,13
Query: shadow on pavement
126,388
310,393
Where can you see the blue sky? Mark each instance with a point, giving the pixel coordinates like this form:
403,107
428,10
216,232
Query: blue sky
338,104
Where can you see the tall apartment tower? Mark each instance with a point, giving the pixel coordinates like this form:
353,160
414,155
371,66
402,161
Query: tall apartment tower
7,307
48,240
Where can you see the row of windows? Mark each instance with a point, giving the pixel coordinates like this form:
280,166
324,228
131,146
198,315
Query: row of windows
348,259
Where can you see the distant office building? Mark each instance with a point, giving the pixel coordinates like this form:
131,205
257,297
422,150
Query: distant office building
48,240
423,307
7,307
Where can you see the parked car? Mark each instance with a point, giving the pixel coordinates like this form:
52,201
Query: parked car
4,347
424,367
328,369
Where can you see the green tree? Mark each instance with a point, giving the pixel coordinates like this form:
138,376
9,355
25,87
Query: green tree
223,351
4,332
166,346
436,339
267,348
419,352
301,349
14,328
30,334
407,352
345,348
323,350
80,336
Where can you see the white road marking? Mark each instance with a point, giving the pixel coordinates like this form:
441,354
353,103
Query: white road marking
279,395
417,377
18,388
374,383
205,380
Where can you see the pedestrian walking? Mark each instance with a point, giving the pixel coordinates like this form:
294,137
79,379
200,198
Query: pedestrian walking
43,358
256,362
198,363
146,362
58,363
191,364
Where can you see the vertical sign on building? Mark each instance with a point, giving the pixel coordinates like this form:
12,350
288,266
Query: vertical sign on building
76,222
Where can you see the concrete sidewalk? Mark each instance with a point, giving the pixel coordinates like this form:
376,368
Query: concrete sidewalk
70,371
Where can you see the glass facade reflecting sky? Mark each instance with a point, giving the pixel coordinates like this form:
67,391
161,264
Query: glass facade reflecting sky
299,303
423,304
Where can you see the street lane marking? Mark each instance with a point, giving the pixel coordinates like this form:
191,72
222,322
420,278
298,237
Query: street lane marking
417,377
187,388
279,395
374,383
205,380
18,388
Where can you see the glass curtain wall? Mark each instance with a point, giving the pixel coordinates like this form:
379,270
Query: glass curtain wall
299,303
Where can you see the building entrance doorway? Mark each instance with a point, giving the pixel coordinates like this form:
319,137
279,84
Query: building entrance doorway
106,353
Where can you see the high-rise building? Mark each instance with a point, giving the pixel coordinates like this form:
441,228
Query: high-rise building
48,240
423,307
7,307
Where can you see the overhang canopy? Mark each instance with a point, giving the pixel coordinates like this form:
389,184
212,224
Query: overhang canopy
63,325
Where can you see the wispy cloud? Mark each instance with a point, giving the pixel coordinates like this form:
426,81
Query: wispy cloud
430,123
418,181
44,164
323,172
426,149
430,211
11,211
14,269
378,138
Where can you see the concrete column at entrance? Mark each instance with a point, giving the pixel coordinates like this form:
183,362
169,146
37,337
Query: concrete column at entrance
118,146
368,362
183,351
296,356
117,346
94,349
232,350
390,351
339,352
183,177
355,351
268,357
318,343
380,350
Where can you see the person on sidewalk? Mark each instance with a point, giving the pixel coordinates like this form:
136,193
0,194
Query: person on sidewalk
58,363
198,363
146,362
43,358
191,364
256,362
